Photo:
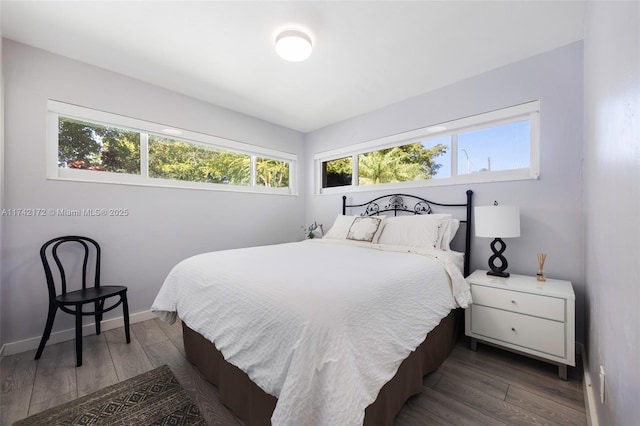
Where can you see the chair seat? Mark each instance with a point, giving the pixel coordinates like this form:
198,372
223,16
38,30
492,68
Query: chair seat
90,294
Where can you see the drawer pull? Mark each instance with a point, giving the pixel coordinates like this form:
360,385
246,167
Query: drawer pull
513,329
513,301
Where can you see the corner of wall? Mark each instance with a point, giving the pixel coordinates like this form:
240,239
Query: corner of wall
587,389
1,173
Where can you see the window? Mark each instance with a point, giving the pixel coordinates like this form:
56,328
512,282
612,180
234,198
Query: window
502,147
95,146
272,173
495,146
404,163
91,146
337,172
181,160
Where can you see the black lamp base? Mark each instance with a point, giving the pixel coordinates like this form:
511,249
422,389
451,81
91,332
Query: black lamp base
498,271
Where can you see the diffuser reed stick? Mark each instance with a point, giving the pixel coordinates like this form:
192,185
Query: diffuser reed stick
541,258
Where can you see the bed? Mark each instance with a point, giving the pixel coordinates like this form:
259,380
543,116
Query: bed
331,331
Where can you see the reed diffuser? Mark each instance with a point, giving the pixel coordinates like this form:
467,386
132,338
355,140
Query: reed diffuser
541,258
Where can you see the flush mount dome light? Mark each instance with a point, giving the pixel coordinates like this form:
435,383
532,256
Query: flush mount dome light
438,128
293,45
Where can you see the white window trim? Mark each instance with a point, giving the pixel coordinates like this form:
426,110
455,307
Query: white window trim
56,109
529,110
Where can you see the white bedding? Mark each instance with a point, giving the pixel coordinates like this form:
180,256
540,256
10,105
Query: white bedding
323,342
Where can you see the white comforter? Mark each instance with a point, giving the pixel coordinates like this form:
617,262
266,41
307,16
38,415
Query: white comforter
322,325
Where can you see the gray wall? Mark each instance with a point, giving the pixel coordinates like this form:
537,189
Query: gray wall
165,225
551,207
612,206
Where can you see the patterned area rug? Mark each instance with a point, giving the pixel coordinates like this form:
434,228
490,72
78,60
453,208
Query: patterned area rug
152,398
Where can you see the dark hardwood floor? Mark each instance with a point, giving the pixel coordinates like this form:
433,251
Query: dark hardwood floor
488,387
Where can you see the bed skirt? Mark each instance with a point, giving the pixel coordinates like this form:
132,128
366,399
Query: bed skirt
255,407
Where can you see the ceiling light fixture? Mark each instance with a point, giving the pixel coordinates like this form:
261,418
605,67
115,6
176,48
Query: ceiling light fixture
293,45
434,129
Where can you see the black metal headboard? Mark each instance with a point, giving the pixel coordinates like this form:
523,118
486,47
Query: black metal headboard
416,205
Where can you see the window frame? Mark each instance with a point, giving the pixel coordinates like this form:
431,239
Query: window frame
526,111
55,109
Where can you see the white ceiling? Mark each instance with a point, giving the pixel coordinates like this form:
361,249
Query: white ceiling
366,54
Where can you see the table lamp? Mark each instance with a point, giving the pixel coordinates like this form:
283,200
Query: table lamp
497,222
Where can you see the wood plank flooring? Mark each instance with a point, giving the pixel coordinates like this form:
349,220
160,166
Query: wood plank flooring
488,387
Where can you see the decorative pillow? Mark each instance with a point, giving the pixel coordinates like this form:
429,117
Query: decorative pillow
342,226
366,228
424,231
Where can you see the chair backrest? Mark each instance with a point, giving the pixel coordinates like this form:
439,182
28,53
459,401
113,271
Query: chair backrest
49,250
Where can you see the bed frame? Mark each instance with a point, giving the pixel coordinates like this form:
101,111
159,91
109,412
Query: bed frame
255,407
410,204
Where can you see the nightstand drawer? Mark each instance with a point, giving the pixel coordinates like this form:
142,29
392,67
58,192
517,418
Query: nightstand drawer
529,332
525,303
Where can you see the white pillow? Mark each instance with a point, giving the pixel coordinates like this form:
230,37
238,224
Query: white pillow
424,231
366,228
342,226
449,232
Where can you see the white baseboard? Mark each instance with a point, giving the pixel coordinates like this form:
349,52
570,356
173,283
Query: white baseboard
70,334
588,391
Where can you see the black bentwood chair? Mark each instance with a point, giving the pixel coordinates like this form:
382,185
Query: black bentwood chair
71,302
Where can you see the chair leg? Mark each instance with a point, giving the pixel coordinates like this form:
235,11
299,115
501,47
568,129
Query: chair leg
125,310
98,305
78,335
47,329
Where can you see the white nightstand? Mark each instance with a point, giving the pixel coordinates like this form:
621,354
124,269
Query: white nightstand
524,315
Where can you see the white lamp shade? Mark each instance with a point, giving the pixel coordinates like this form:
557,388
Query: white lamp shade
293,45
497,221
